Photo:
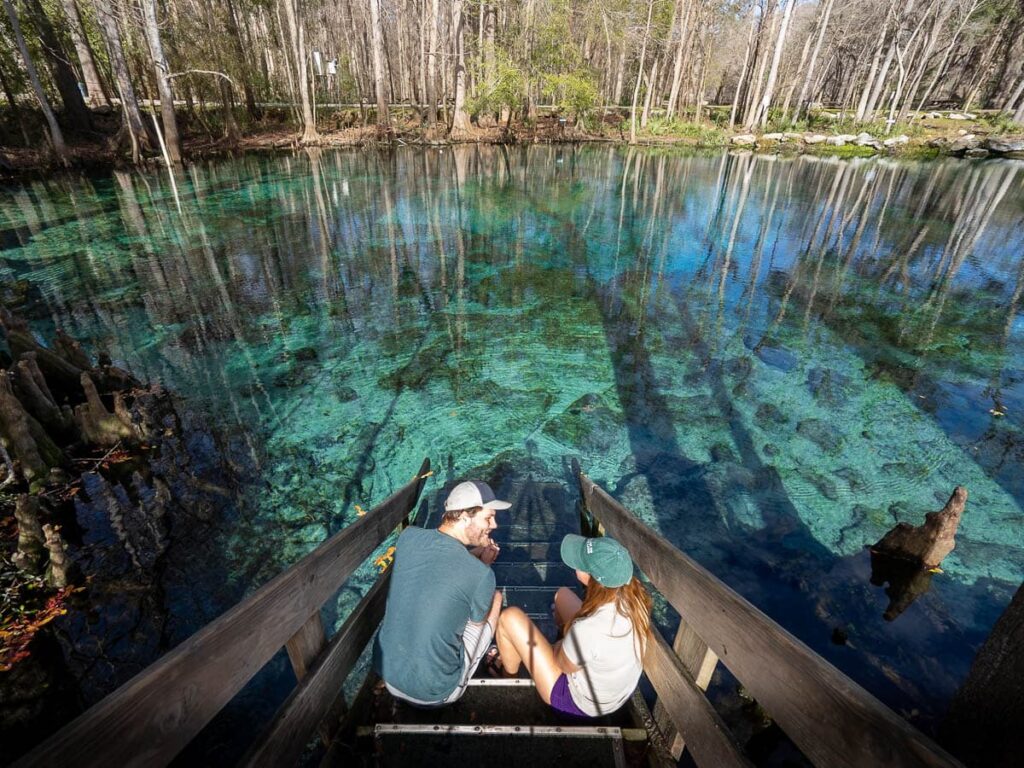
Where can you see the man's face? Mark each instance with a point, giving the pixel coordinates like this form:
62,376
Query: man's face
479,527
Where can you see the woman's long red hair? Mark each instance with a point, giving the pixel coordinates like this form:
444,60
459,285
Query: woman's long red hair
631,600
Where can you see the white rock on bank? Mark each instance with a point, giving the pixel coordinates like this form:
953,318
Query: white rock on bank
836,141
957,116
744,140
867,140
771,137
896,141
1004,144
814,138
965,143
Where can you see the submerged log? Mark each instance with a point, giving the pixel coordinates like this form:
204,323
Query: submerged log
984,722
927,544
31,552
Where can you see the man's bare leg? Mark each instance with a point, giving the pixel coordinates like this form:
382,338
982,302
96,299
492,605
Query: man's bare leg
521,642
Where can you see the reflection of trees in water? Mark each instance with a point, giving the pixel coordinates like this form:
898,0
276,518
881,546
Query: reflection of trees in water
272,257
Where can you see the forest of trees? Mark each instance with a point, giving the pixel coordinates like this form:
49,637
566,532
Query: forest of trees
454,65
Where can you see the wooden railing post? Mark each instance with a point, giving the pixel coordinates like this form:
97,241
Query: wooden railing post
304,647
700,661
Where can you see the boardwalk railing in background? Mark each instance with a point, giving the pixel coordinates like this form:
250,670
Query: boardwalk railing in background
152,717
829,717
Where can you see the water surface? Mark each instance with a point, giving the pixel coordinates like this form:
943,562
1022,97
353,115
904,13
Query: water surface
771,360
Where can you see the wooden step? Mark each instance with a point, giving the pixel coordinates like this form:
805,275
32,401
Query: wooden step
499,746
538,573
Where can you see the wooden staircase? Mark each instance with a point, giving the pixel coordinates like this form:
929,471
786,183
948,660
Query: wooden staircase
153,716
502,722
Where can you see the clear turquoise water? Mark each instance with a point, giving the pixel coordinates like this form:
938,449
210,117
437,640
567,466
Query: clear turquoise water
772,360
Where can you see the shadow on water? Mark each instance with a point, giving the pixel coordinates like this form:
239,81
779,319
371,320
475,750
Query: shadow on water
771,564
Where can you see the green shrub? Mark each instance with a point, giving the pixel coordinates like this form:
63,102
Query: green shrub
573,93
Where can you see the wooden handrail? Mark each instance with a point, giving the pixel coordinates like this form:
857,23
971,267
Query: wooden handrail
298,717
149,719
707,735
831,719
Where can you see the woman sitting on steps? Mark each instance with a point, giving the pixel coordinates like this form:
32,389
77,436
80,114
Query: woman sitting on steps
595,668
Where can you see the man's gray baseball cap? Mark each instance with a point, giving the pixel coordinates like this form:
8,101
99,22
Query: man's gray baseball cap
471,494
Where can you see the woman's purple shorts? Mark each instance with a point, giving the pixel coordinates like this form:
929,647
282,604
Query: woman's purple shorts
561,698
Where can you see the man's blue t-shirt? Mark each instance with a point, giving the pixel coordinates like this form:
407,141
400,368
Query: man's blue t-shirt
436,587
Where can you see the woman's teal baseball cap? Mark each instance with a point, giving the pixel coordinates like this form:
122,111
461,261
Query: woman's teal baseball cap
603,558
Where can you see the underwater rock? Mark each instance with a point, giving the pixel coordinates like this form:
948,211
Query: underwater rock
722,452
928,544
839,636
738,367
345,394
828,387
852,477
587,425
824,485
777,357
768,415
770,449
821,434
305,354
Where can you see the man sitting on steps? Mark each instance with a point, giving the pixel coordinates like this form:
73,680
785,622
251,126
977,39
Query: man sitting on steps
442,606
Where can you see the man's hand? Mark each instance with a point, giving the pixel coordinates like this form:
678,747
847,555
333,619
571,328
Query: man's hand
487,553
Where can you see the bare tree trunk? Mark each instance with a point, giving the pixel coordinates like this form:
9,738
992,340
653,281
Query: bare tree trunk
941,68
56,137
90,75
683,12
433,15
76,114
742,76
925,55
761,113
297,36
620,76
163,83
227,102
862,104
460,119
640,74
765,34
137,132
236,36
651,85
985,65
377,36
801,102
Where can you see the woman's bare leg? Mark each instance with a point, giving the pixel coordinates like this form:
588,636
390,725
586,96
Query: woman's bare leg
567,605
520,642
